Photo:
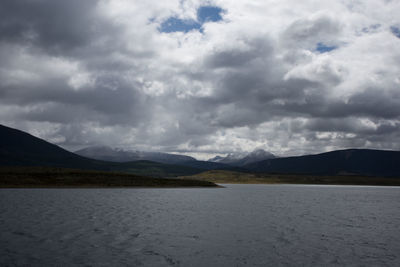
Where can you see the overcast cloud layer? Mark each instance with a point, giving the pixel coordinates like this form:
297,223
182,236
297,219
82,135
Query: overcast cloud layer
289,76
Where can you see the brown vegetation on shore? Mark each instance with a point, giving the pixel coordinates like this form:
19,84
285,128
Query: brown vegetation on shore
20,177
221,176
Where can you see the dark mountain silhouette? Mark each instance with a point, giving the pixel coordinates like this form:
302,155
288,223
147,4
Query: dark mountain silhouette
18,148
120,155
351,161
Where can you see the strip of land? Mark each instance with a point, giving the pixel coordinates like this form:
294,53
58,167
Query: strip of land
228,177
45,177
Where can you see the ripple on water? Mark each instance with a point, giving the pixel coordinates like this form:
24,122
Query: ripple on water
253,225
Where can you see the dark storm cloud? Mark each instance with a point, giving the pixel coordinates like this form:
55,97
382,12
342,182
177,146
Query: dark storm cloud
381,135
99,72
249,74
372,103
376,102
240,57
65,31
251,89
347,125
110,101
308,32
54,26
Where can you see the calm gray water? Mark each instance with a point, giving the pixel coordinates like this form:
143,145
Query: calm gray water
241,225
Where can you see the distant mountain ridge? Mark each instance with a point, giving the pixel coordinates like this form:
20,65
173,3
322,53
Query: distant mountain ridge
242,159
350,161
120,155
18,148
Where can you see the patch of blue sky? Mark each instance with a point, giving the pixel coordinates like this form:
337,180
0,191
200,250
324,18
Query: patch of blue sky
209,13
323,48
174,24
371,28
204,14
396,31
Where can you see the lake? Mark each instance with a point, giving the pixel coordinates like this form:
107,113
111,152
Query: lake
240,225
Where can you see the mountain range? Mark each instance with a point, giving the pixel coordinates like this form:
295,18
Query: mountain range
231,161
18,148
242,159
120,155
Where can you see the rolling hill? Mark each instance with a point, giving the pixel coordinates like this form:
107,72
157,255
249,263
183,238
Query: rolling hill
18,148
341,162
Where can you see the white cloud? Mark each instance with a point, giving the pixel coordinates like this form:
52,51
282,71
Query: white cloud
254,79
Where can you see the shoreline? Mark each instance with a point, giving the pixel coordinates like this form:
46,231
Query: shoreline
218,185
108,187
297,184
232,177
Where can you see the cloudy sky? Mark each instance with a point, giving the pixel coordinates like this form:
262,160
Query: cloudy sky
203,77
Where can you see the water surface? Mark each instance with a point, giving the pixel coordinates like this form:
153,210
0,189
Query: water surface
240,225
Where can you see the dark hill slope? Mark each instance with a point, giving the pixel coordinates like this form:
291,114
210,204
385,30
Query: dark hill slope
18,148
350,161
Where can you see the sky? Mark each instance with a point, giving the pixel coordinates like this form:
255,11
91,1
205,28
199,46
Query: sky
203,77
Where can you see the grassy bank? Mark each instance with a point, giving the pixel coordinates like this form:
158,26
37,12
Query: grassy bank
31,177
219,176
